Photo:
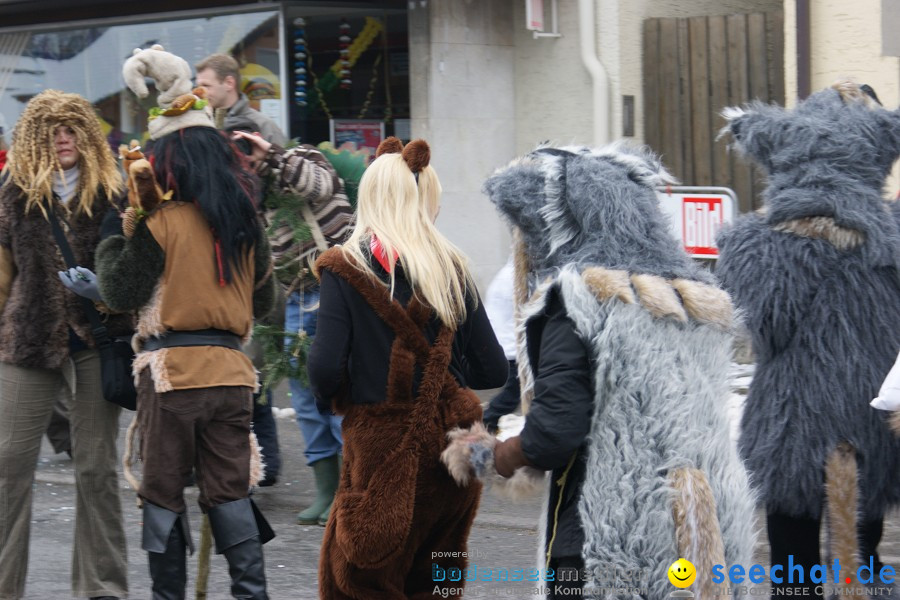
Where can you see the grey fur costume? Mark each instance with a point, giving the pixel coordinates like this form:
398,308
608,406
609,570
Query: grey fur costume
659,334
816,274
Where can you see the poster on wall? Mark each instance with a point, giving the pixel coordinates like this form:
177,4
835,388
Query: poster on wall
363,133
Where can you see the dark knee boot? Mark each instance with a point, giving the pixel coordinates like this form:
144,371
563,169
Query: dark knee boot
794,541
165,537
236,535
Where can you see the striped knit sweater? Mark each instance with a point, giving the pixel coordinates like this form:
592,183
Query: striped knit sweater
304,171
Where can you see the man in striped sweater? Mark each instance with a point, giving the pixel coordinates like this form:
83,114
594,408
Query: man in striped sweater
305,172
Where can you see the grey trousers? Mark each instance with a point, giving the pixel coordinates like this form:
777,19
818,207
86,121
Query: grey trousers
99,566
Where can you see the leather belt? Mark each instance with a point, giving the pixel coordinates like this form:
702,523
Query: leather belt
201,337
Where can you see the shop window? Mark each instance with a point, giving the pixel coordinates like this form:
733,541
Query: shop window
349,75
89,62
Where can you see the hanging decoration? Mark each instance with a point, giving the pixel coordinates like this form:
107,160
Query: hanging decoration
331,78
300,61
371,93
344,46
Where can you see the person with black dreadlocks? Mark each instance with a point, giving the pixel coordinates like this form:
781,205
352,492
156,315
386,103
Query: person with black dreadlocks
198,270
59,169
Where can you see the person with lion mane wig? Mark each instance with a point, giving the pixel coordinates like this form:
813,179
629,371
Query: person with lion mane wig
59,168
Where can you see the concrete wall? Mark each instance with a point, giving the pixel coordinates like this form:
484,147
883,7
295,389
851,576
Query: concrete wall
462,64
553,89
845,41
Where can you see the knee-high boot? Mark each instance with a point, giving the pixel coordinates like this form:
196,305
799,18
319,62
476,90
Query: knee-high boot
165,537
236,535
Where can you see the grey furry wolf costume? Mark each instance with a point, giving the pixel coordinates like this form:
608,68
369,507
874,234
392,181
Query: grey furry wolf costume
655,477
816,274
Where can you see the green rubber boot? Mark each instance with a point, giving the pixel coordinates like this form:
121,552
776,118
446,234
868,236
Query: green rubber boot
323,518
327,472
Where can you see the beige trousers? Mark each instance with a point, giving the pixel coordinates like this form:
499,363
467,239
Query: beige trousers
27,396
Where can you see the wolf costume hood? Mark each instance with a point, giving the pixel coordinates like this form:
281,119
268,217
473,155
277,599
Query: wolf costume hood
590,226
827,159
816,274
591,206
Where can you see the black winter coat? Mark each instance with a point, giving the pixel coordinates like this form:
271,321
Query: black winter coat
353,344
559,419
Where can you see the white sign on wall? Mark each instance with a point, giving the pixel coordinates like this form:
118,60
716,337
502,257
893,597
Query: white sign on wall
697,214
534,15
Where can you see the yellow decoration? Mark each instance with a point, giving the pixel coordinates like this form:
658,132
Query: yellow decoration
259,82
359,45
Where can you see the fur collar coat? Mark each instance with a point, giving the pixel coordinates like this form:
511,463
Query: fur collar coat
39,311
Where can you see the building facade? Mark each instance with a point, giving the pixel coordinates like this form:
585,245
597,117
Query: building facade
471,77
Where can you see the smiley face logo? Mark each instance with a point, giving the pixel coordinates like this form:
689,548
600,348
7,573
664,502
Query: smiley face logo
682,573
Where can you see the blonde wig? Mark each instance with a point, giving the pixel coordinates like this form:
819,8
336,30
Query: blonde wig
400,212
32,158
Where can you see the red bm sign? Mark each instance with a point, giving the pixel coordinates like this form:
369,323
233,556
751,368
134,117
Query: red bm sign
697,216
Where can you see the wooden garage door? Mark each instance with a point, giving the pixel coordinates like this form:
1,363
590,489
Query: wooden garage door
692,69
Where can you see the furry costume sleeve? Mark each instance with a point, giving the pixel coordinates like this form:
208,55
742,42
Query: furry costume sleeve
129,269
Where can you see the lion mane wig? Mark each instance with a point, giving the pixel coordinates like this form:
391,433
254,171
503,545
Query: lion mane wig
32,158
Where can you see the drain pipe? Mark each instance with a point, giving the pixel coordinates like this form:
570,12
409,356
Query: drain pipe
587,30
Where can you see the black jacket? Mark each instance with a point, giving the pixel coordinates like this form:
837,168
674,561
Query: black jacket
559,419
353,344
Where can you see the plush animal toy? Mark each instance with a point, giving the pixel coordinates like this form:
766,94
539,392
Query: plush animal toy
144,193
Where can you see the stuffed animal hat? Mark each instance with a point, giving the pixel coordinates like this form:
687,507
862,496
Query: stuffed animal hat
179,105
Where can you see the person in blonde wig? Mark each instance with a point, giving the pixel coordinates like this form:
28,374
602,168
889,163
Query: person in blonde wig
59,167
399,212
402,340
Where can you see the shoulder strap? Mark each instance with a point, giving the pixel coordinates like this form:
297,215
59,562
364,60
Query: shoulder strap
98,329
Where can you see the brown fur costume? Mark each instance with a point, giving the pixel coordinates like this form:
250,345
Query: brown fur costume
396,502
39,339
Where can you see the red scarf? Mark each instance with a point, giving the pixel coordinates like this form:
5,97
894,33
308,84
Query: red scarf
380,255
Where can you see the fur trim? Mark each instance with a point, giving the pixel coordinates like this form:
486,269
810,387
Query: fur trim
150,317
658,297
469,453
156,361
823,228
894,422
841,494
417,155
705,303
607,284
389,145
520,292
697,530
852,93
525,483
128,456
257,462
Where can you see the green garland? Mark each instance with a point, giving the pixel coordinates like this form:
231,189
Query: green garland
284,355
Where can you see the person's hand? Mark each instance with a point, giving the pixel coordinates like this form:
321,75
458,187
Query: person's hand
258,146
508,456
81,281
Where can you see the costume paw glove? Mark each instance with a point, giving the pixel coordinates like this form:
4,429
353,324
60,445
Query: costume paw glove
81,281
